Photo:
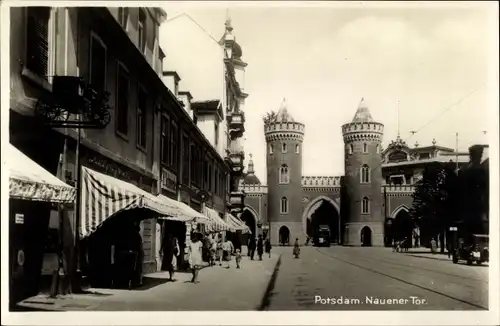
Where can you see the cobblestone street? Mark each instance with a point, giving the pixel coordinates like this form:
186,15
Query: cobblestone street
349,273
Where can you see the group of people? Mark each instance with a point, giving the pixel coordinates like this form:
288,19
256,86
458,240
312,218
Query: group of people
401,245
259,245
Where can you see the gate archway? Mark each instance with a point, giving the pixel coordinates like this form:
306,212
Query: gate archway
322,210
402,227
250,218
366,237
284,235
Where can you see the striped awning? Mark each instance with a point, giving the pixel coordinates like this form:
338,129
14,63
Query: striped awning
103,196
185,213
217,224
29,181
238,224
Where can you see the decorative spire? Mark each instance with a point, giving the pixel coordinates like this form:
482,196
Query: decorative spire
283,115
434,142
362,114
250,166
416,144
229,28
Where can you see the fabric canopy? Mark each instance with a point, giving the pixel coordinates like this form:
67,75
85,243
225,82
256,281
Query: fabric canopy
238,224
103,196
29,181
185,214
217,224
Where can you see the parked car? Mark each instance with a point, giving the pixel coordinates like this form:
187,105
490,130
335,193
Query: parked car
474,250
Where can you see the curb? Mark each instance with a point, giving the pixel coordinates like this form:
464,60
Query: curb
428,257
270,286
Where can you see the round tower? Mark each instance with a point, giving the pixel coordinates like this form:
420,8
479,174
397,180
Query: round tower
284,137
363,201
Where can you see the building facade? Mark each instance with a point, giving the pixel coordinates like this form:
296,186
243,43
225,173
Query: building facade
150,141
360,206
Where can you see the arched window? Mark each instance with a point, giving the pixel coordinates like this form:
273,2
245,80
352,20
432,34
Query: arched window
365,148
284,174
283,148
378,148
284,205
365,206
297,149
365,174
271,149
350,148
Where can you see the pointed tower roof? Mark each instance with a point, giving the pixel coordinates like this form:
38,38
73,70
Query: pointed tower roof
250,177
362,114
283,115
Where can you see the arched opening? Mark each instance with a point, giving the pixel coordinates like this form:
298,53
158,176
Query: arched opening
403,226
250,220
284,236
323,223
366,237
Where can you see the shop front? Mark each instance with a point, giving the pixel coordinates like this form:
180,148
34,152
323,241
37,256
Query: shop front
33,193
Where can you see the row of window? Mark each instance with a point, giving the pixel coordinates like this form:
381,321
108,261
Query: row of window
350,148
365,205
284,148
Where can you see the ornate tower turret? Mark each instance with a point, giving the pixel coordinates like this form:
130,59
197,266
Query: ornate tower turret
364,221
284,137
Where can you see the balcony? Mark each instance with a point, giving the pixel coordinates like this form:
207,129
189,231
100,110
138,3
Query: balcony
236,156
237,200
236,124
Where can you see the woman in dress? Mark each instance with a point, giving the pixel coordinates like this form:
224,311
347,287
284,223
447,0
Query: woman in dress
195,260
296,248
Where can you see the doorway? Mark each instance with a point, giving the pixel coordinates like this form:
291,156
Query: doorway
284,236
366,237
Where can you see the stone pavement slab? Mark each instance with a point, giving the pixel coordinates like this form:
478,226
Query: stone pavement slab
219,289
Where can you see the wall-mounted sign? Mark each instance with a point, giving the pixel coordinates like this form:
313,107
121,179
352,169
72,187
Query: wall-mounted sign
19,218
168,180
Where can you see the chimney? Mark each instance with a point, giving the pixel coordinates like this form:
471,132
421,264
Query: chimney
171,79
185,97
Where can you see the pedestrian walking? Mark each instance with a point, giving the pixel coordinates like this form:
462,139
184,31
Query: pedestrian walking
220,252
433,246
238,258
251,246
213,250
170,250
195,259
260,247
394,245
268,247
296,248
228,249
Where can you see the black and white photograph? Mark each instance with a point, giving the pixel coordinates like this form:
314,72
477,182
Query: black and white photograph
262,158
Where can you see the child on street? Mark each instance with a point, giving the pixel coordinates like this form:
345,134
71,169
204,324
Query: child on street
238,258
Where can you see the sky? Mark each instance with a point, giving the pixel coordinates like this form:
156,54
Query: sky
430,63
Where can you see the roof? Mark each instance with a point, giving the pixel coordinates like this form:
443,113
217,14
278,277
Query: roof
250,177
283,115
362,114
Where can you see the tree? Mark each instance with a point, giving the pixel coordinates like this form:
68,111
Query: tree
434,208
270,117
473,188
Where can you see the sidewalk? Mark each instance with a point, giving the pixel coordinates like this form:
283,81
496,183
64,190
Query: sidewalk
426,253
219,289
